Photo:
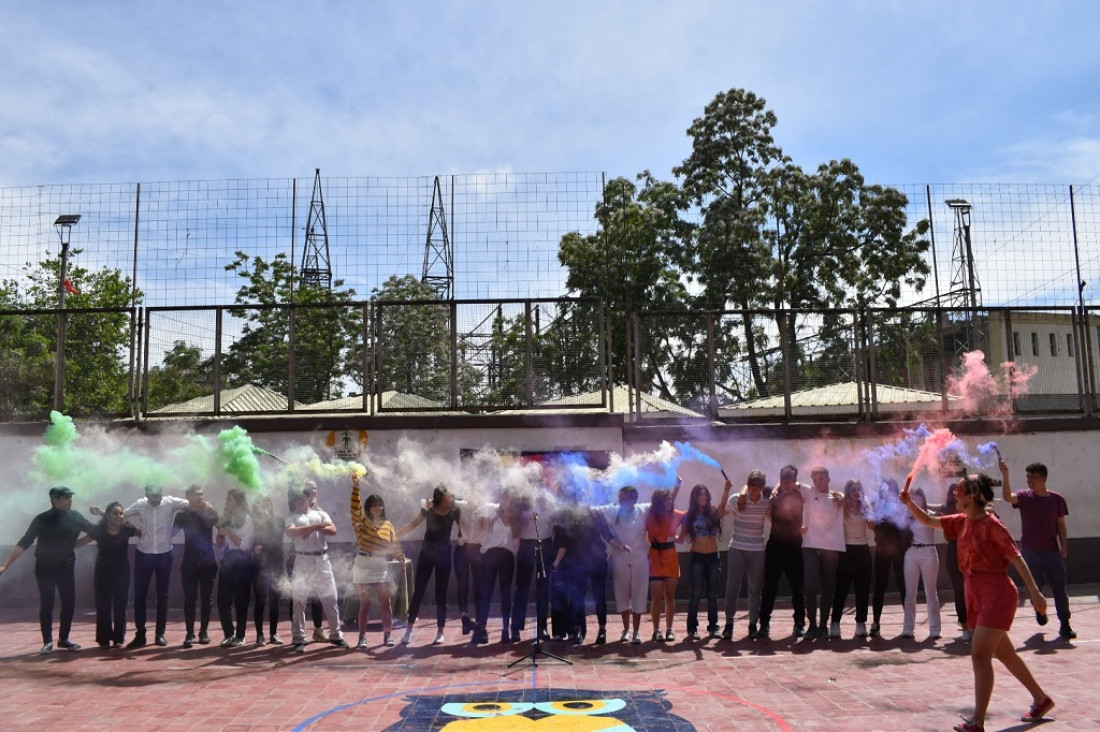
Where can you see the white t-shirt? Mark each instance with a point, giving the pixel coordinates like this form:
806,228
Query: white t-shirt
316,541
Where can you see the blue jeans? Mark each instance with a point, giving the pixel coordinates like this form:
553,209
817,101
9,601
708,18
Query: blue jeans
1049,567
704,575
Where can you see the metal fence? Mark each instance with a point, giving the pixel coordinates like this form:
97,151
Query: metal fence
868,364
496,235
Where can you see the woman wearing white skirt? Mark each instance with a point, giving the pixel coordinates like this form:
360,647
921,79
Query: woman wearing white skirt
377,545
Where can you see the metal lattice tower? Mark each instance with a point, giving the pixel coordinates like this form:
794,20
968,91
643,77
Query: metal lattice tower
316,269
965,294
439,260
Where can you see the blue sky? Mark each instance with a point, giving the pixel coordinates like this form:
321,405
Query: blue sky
931,92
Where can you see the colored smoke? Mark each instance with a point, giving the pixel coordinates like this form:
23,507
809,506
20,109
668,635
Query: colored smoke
980,391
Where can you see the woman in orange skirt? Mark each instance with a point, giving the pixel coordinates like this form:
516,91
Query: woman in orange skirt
662,525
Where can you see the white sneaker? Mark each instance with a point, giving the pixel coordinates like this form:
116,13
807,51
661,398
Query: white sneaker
637,638
387,640
362,641
438,639
834,630
46,649
861,630
319,635
407,637
626,636
398,624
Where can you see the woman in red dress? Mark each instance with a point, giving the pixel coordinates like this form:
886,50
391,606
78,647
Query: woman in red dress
986,550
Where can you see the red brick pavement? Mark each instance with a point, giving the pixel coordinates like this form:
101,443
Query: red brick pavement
879,684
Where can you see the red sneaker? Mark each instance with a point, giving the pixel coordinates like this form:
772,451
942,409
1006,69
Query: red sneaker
1038,711
969,725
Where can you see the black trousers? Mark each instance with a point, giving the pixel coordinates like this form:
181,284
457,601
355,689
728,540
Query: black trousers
145,566
433,558
111,583
526,570
197,578
782,558
55,579
234,590
498,567
885,563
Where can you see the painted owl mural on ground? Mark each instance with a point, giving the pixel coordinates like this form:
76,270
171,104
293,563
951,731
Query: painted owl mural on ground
541,710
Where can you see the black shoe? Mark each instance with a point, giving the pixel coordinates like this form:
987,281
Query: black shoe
137,642
754,631
727,633
204,639
340,643
809,634
68,645
694,635
799,630
601,637
160,641
505,637
189,641
515,636
300,647
468,626
1066,632
764,633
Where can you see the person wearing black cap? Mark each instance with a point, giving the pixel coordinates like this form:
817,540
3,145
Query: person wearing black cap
56,531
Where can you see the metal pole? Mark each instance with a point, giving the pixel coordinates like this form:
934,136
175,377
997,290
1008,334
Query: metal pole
59,363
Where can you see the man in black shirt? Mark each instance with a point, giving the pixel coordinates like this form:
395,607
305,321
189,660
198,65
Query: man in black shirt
199,566
783,552
56,531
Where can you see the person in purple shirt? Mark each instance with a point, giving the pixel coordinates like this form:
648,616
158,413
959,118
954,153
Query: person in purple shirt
1044,538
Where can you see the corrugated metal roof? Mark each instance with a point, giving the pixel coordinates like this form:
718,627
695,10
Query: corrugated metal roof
589,402
238,400
844,394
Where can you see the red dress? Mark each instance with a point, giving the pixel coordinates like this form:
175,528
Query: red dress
986,551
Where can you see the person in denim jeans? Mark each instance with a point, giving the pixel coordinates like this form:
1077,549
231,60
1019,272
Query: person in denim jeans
702,525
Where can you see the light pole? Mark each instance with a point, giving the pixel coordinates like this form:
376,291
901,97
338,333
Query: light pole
64,226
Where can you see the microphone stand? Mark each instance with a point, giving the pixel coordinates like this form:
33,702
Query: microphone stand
540,576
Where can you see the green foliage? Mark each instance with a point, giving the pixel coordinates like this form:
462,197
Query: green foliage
184,374
764,236
97,345
414,351
323,337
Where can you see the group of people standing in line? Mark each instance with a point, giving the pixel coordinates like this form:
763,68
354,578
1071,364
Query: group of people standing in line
820,540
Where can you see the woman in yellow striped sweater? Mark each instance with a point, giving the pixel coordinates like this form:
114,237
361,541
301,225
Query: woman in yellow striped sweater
377,543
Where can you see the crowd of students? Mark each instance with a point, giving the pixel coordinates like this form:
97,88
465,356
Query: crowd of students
565,549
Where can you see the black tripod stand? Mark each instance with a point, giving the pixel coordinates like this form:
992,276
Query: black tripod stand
540,622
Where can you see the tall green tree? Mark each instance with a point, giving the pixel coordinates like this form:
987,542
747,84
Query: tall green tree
631,264
97,345
773,236
414,344
183,374
322,336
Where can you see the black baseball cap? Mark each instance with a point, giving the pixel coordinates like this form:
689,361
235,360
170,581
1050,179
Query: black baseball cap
60,492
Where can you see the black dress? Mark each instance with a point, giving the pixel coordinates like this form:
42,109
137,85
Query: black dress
111,582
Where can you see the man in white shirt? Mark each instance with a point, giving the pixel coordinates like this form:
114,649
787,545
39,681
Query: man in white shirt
308,528
156,513
822,545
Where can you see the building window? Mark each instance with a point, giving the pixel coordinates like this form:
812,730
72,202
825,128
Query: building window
1053,345
1016,343
1035,344
1069,344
